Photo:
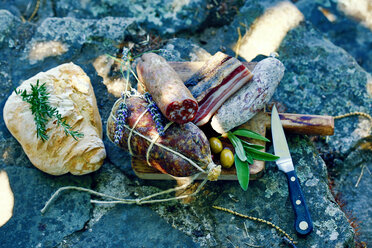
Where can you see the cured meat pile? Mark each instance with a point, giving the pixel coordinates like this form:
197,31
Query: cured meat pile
222,89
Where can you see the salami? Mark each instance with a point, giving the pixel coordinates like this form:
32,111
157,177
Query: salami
186,139
219,78
251,98
173,98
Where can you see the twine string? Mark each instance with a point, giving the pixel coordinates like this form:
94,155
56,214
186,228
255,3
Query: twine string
138,201
132,130
153,142
356,113
258,220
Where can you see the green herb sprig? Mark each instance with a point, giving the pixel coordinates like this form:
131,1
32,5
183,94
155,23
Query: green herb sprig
246,152
42,111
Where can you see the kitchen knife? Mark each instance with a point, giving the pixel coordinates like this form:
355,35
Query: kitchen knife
303,223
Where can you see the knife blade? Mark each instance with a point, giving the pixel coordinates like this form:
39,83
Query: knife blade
303,222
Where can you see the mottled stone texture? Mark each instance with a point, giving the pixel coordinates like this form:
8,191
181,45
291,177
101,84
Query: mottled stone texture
353,184
351,32
31,189
161,16
131,226
272,190
320,78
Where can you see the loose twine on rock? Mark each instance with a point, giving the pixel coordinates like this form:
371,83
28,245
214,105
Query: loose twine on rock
258,220
356,113
118,200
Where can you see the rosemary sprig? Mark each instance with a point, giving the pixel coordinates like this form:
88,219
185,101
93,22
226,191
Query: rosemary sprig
42,111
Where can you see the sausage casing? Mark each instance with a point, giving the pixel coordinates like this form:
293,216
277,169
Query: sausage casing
173,98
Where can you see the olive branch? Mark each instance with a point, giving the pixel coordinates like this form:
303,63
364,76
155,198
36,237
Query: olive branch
42,111
246,152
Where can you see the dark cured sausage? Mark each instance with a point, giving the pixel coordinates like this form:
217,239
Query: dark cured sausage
173,98
186,139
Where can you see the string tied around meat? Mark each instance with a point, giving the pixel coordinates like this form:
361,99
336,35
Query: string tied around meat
211,173
212,170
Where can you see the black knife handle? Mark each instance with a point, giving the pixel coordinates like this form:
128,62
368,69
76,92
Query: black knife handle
303,222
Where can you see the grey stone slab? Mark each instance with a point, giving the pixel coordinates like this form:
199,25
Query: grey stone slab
165,17
322,78
354,190
268,198
26,9
31,189
100,35
348,32
130,226
14,35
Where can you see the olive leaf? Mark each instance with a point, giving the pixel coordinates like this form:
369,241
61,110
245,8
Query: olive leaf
260,155
254,146
249,158
242,172
246,153
250,134
238,146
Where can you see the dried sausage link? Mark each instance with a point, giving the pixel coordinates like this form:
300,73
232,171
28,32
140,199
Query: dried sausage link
172,97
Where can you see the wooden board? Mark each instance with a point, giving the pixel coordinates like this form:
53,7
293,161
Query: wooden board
295,123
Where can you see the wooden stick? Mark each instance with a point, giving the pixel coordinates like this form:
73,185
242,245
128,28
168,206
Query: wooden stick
307,124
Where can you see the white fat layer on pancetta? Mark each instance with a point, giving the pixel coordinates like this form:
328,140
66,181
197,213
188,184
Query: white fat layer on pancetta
213,80
214,101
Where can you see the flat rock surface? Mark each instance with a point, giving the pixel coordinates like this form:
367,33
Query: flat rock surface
272,190
352,184
31,189
326,73
124,226
346,23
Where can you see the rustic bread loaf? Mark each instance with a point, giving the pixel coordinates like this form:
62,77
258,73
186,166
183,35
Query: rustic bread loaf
72,94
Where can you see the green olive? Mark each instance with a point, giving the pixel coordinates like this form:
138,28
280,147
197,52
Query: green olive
216,145
226,158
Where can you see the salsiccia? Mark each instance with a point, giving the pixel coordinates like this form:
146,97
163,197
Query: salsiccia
186,139
172,97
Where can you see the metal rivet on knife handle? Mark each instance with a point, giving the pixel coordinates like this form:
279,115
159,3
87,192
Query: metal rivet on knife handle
303,225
